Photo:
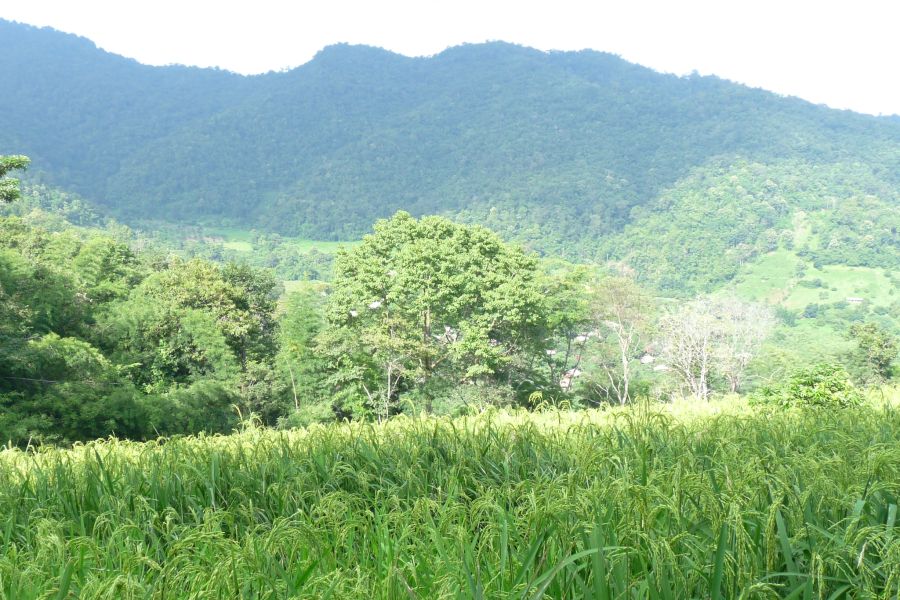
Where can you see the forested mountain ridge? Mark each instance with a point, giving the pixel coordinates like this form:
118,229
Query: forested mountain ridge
553,149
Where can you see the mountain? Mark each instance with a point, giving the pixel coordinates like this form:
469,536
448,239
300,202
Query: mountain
575,153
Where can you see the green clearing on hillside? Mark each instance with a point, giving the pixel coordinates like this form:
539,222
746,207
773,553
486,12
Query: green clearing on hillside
230,234
242,240
289,258
803,235
715,501
238,246
840,283
294,285
784,278
769,278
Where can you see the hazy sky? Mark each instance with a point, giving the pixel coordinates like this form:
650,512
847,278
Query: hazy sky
843,54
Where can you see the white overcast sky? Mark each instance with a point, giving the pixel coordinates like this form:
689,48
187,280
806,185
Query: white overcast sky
845,54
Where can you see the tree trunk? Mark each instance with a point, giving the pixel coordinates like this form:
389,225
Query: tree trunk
426,341
293,387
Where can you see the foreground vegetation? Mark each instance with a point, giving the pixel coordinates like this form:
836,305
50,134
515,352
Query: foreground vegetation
719,500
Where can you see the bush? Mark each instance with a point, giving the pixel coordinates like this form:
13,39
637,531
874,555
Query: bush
306,415
204,406
823,385
471,399
786,315
811,283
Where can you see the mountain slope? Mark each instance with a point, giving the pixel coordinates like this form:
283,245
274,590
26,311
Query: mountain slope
553,149
699,233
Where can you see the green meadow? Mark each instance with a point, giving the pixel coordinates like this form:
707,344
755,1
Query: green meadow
782,277
840,283
241,240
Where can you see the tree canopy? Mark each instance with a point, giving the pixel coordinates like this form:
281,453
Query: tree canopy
9,186
431,300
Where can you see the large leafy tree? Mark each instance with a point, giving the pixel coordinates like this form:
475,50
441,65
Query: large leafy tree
430,302
195,319
876,350
301,366
9,186
568,327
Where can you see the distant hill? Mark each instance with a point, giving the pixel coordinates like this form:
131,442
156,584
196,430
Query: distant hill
575,153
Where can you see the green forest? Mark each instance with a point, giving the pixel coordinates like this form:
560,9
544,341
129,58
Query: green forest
554,150
111,332
493,323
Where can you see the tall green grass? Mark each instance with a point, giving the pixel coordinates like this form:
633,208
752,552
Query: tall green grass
724,502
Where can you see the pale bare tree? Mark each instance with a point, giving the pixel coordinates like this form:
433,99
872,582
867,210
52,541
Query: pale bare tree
713,335
621,312
688,335
744,328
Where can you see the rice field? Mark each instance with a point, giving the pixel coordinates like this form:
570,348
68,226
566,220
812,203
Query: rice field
718,501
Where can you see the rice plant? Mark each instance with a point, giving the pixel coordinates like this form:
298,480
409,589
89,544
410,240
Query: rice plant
717,501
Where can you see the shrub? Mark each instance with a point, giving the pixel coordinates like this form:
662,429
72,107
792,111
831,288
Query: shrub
306,415
811,283
786,315
823,385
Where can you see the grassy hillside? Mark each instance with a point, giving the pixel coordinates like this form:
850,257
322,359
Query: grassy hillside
784,278
720,219
718,501
553,149
817,306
